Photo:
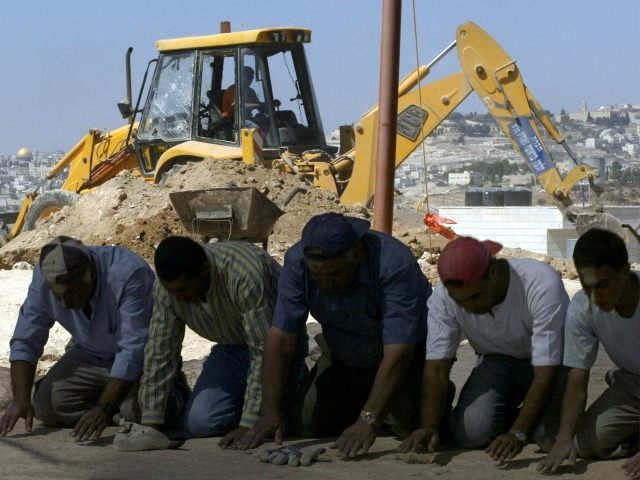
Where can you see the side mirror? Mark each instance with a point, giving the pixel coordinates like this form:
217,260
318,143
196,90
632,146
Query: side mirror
125,109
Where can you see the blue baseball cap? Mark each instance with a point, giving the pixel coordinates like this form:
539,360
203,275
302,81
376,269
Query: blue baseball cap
332,233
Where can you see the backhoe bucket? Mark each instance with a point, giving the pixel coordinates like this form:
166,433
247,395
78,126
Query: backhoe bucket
229,213
586,219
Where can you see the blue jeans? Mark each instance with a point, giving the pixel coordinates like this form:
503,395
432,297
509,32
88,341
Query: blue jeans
216,404
490,402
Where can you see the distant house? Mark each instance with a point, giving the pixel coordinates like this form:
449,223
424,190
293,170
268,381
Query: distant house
525,180
584,114
631,148
465,178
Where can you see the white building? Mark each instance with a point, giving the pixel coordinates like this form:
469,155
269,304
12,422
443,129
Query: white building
465,178
630,148
584,113
519,180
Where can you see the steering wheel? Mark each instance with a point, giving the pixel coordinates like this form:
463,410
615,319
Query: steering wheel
261,117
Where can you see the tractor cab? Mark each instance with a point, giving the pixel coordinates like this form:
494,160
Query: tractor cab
207,89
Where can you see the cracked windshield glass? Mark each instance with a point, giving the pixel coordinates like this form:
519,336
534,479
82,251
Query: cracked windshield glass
169,116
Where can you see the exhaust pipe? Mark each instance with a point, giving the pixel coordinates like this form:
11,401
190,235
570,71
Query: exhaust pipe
127,67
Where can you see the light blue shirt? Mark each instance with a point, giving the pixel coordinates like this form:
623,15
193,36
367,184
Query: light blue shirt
121,310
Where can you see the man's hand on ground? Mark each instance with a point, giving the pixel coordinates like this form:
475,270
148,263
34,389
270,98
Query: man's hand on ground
420,437
558,453
16,411
355,440
265,427
504,447
232,439
632,467
91,425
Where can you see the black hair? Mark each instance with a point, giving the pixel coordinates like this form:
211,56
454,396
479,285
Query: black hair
598,248
177,256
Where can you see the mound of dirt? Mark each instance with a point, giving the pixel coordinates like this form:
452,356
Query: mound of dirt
564,267
129,212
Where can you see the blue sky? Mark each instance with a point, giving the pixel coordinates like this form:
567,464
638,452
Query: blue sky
63,60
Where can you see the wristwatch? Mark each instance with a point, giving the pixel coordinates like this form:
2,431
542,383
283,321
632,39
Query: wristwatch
520,436
107,408
368,417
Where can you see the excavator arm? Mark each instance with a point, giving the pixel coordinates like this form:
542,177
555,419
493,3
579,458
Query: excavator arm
420,112
488,70
496,79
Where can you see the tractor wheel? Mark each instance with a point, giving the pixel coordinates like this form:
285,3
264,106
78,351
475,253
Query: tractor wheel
47,204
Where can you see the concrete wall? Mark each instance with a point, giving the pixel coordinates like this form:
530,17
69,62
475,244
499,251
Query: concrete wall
537,229
514,227
560,242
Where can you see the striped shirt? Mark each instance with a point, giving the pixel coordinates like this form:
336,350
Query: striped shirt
237,311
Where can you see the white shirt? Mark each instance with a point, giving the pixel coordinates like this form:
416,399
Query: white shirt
587,326
529,323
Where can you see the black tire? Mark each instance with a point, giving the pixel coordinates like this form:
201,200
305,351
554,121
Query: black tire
169,169
46,204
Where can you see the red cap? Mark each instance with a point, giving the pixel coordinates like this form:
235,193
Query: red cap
465,259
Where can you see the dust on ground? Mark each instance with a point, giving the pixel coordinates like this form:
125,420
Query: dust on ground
49,453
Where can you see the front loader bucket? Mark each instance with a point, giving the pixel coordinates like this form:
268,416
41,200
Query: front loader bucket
229,213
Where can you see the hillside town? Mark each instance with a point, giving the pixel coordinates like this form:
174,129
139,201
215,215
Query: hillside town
470,150
466,150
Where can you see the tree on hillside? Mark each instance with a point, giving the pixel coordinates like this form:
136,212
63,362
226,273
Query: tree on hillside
615,171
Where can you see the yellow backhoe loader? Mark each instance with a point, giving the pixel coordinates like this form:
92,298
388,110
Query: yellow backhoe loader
248,95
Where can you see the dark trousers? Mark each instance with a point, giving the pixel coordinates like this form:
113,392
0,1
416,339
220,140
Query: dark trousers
333,395
490,402
73,386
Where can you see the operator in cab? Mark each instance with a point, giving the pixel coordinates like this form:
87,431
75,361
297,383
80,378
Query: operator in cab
367,291
250,98
102,295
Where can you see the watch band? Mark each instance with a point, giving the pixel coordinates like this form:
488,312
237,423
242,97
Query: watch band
108,408
520,436
368,417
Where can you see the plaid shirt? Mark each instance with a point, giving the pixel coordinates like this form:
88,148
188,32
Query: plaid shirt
238,311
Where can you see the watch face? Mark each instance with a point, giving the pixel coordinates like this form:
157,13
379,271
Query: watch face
368,417
521,436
